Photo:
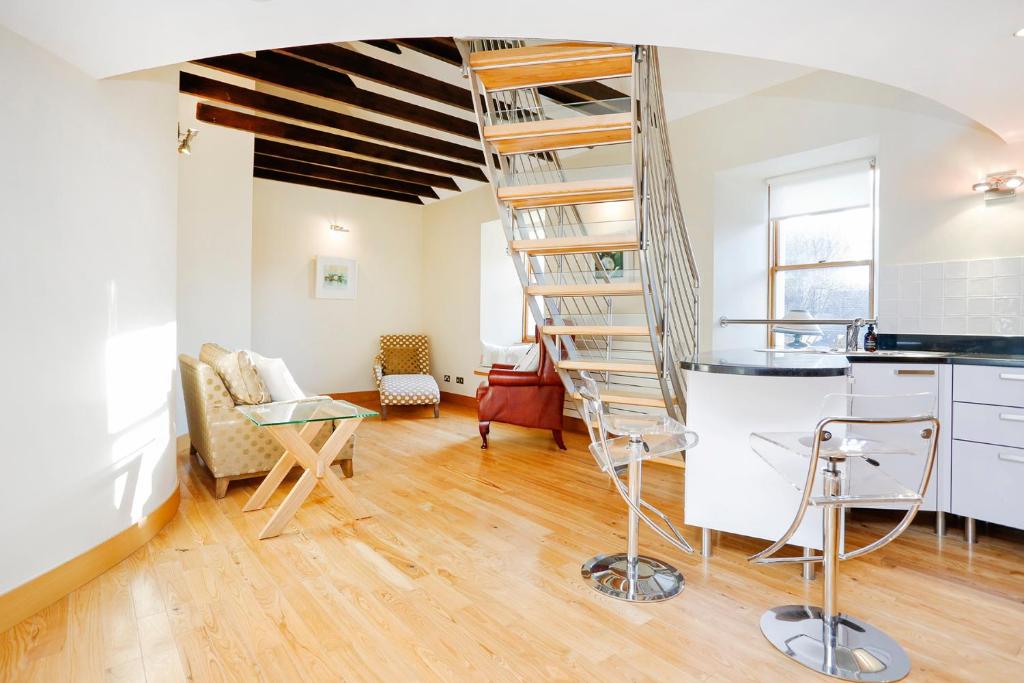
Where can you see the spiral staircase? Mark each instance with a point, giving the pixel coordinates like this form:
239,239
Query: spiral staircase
589,205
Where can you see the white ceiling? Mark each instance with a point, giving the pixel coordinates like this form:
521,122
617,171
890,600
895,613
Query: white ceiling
960,53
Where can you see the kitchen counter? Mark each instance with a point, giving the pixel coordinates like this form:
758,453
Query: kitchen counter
931,349
768,363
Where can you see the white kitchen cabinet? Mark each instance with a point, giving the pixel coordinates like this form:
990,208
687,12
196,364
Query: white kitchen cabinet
989,385
1001,425
895,379
988,444
987,483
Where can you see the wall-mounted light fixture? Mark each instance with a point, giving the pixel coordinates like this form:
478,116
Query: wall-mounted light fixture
1002,185
185,140
338,228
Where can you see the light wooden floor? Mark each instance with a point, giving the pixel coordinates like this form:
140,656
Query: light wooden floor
454,563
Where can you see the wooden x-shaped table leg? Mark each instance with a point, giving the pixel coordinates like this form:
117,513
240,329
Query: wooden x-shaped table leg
317,468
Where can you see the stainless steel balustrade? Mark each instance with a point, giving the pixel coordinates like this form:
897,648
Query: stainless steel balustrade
667,268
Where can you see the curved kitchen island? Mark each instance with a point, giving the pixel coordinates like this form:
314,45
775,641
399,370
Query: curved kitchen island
731,394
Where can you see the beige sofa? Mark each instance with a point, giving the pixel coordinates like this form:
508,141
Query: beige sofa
226,442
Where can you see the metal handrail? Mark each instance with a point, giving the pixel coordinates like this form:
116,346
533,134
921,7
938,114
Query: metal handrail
725,322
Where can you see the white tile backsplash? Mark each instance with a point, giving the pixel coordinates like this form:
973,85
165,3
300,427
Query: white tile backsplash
984,296
910,273
954,269
1006,285
1008,266
979,306
954,287
954,307
980,286
931,271
981,268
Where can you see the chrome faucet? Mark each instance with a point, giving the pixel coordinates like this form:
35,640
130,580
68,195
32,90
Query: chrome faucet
853,333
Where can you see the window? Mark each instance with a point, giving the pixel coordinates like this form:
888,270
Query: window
822,224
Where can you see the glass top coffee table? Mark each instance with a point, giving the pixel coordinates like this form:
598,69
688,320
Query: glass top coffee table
294,424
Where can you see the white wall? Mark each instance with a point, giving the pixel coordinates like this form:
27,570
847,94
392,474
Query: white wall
501,294
329,344
87,284
214,235
928,158
451,285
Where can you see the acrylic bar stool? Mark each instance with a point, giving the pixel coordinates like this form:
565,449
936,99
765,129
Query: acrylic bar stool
631,576
834,467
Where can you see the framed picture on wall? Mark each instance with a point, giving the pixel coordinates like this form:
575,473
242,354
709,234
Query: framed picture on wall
609,264
336,278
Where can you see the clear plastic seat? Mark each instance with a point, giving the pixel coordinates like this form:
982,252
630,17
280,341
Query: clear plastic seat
619,452
839,465
631,576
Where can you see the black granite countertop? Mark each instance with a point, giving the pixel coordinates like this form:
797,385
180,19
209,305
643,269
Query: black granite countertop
768,363
893,348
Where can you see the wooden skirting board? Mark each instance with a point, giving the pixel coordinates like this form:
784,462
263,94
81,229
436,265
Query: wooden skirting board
28,598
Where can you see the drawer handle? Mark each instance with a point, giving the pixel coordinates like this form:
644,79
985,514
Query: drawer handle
923,373
1011,375
1011,457
1010,417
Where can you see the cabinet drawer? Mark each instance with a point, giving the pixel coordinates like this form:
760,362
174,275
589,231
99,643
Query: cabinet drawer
987,483
895,378
987,384
999,425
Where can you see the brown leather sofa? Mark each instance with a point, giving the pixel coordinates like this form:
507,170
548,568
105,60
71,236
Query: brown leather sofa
528,399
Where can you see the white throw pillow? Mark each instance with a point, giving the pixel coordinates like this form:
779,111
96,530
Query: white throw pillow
277,379
505,355
531,361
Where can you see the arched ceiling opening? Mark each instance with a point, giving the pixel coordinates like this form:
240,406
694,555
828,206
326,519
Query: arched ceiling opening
961,54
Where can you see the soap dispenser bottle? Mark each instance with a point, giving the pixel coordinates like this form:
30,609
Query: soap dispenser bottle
871,339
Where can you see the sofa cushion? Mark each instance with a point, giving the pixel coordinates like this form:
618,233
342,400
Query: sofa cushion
237,370
401,360
406,390
277,379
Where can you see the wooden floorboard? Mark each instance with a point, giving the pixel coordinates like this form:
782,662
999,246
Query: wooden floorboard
452,563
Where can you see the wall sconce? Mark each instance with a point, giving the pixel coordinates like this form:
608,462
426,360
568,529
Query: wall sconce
185,140
338,228
1002,185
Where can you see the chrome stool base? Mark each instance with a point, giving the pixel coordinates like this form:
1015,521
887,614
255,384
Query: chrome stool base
857,651
652,580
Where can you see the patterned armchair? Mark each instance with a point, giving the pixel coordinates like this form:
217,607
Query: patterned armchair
402,373
225,441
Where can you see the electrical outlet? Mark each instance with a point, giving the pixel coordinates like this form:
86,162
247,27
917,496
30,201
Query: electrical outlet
458,380
447,378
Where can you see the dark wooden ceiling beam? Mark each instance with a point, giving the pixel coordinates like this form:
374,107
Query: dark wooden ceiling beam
296,74
337,175
438,48
378,71
384,45
279,106
289,131
268,174
322,158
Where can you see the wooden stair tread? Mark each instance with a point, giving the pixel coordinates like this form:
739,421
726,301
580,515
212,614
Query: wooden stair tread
586,289
597,330
577,244
534,54
609,365
572,192
549,135
537,65
629,398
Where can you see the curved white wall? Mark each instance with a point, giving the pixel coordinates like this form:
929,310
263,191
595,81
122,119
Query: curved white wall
88,187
